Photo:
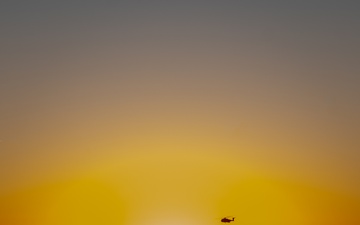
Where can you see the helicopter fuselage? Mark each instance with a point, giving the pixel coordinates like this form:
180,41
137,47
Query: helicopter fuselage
226,220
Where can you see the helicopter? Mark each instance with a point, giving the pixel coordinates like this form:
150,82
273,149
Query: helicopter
227,219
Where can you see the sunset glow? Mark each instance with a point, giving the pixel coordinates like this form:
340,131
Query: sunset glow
182,113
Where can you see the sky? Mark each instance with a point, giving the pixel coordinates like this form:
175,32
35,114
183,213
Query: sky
179,112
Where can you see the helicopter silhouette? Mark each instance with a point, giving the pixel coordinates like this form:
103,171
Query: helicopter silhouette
227,219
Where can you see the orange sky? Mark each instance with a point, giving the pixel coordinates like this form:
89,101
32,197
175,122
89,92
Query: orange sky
179,114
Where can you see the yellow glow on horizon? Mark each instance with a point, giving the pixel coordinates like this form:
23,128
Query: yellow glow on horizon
184,188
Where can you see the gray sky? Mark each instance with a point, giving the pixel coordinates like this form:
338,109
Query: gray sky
281,73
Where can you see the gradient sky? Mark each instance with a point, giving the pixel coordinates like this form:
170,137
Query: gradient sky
180,112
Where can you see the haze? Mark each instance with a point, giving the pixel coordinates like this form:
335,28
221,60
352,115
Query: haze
180,112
